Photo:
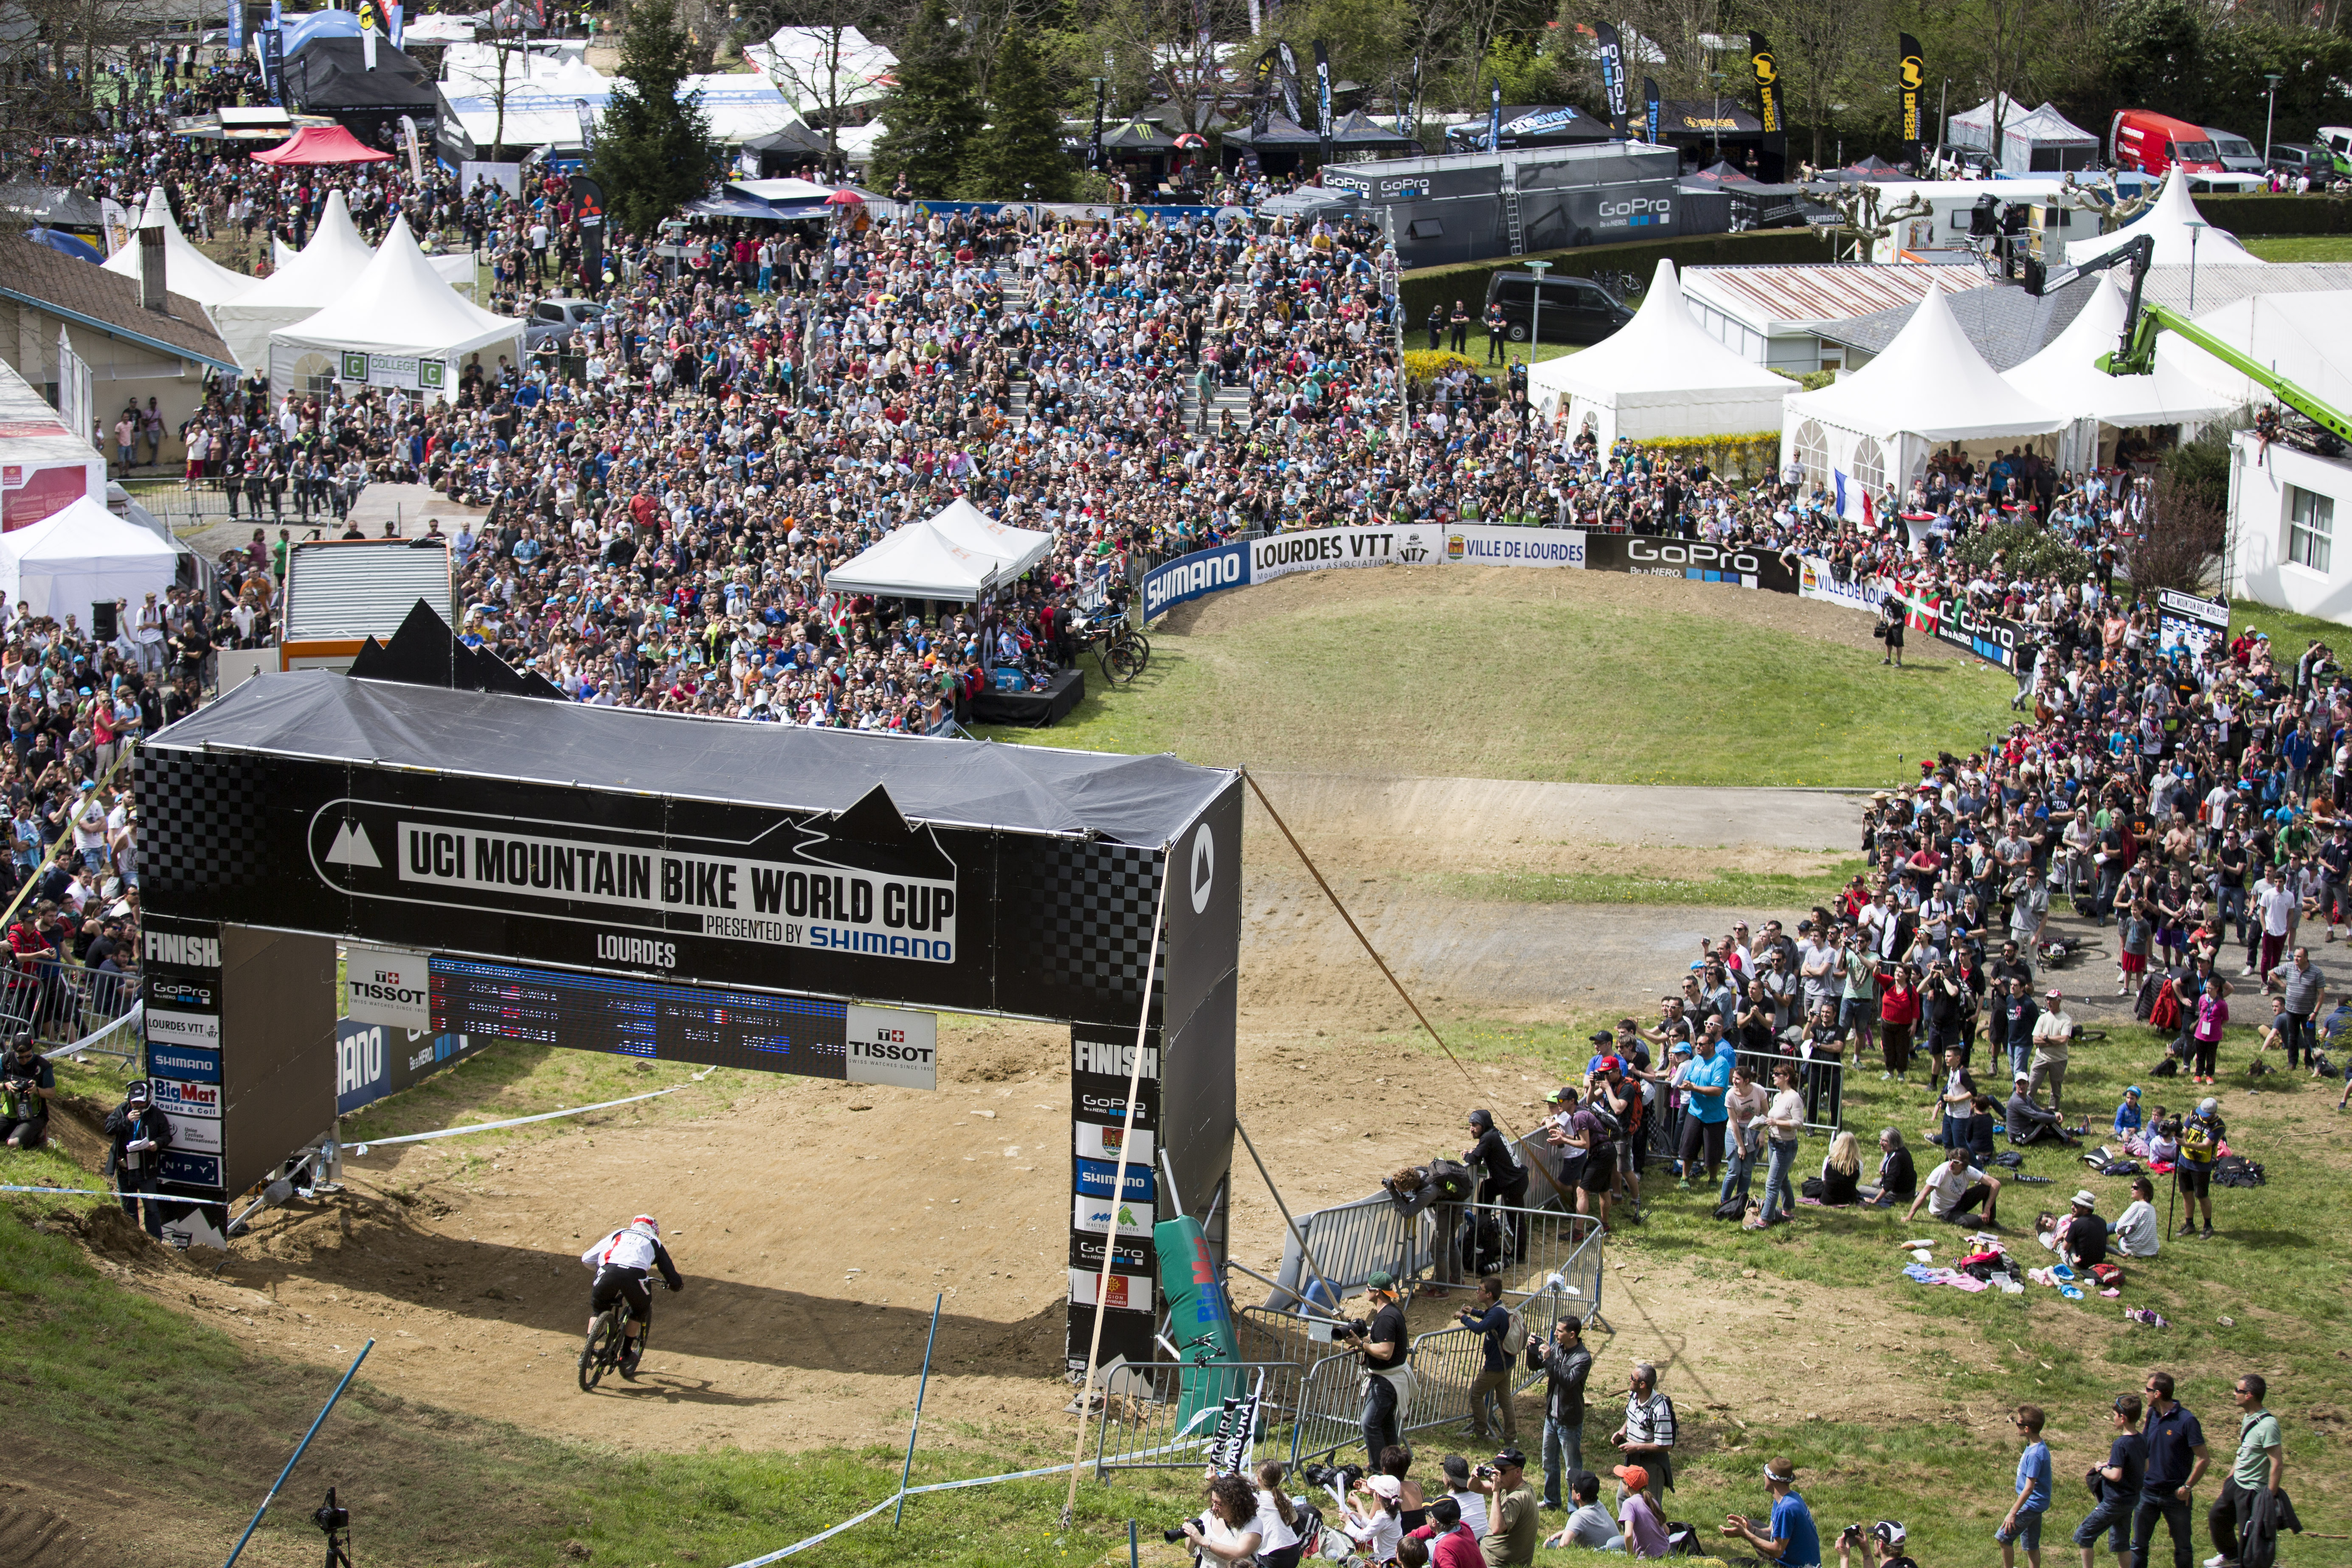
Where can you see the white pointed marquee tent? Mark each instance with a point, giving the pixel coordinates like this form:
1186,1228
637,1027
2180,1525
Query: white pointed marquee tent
81,556
2065,378
959,554
396,324
305,283
1875,428
1660,375
1015,550
186,269
2180,235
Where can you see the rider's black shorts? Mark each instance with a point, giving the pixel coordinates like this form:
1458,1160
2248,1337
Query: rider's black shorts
628,1285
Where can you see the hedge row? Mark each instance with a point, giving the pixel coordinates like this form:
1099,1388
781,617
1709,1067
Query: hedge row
2254,216
1466,281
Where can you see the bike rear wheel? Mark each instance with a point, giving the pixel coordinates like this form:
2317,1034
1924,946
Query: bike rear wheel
1122,663
602,1350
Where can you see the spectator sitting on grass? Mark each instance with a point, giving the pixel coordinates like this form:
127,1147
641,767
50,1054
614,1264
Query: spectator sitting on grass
1954,1188
1792,1540
2029,1124
2137,1231
2079,1237
1590,1526
1897,1179
1639,1529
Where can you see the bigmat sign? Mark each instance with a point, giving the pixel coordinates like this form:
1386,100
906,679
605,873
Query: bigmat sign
1240,565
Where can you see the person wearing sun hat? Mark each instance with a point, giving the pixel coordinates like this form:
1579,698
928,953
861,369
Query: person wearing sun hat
1789,1537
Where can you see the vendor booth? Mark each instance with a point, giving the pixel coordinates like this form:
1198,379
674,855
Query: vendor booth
81,557
305,283
186,269
2030,141
398,324
2065,378
1659,376
1869,433
320,144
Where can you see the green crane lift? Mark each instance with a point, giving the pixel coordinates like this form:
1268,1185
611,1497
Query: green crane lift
2329,431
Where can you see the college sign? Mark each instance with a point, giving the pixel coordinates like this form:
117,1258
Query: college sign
402,371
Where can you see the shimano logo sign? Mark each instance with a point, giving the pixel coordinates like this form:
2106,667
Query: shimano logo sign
1189,576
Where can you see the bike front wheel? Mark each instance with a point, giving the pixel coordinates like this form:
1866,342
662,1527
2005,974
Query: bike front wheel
1122,663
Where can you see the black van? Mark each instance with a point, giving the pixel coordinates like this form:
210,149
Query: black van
1575,309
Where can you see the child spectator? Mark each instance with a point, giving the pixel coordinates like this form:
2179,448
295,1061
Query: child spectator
2023,1521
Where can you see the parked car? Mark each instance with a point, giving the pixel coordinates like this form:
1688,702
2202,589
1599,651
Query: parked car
2292,158
1575,309
558,320
2153,143
2238,155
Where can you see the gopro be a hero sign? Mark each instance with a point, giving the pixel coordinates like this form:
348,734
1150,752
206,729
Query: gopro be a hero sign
886,1046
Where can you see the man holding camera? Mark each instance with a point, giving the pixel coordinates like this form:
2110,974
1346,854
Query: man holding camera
1511,1525
1886,1546
1567,1366
1386,1387
1493,1321
28,1084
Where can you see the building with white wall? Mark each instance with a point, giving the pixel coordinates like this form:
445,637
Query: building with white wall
2289,530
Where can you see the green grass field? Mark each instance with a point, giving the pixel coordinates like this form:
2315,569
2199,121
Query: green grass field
1533,688
114,1376
2304,248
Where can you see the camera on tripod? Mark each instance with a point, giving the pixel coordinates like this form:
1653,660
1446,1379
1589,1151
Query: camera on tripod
335,1520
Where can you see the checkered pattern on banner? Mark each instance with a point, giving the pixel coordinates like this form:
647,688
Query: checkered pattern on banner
200,823
1094,919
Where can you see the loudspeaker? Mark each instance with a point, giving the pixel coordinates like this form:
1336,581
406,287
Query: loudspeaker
101,621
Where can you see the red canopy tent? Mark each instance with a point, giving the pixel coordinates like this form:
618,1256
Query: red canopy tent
321,145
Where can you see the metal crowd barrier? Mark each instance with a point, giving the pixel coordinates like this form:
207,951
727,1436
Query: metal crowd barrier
60,1002
1822,1082
1352,1242
1163,1417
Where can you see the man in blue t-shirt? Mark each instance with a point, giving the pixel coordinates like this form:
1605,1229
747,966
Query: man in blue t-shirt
2023,1521
1705,1079
2176,1459
1791,1542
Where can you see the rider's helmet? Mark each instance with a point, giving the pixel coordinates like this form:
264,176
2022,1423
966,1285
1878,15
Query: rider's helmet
646,1224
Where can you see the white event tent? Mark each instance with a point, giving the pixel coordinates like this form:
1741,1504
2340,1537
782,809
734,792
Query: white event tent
398,323
2182,236
1659,375
1874,426
2065,378
186,269
959,554
306,283
81,556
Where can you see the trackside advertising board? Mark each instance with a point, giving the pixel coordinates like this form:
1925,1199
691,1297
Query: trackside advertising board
1242,565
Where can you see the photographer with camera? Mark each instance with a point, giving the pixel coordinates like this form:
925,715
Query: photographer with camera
1567,1366
1227,1529
1504,1181
1886,1546
1386,1386
137,1134
1512,1526
28,1084
1493,1383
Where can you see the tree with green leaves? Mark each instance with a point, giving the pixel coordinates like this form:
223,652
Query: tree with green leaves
933,117
1019,157
653,148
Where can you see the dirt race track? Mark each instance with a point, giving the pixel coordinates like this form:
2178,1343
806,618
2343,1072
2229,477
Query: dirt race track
815,1221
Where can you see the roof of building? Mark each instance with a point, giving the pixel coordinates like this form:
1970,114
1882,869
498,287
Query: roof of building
2225,283
1804,294
73,288
2005,324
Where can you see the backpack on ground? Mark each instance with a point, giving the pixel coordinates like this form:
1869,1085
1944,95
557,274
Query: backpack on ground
1731,1208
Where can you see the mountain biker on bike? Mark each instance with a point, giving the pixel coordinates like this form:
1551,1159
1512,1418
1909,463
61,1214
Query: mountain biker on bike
623,1261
